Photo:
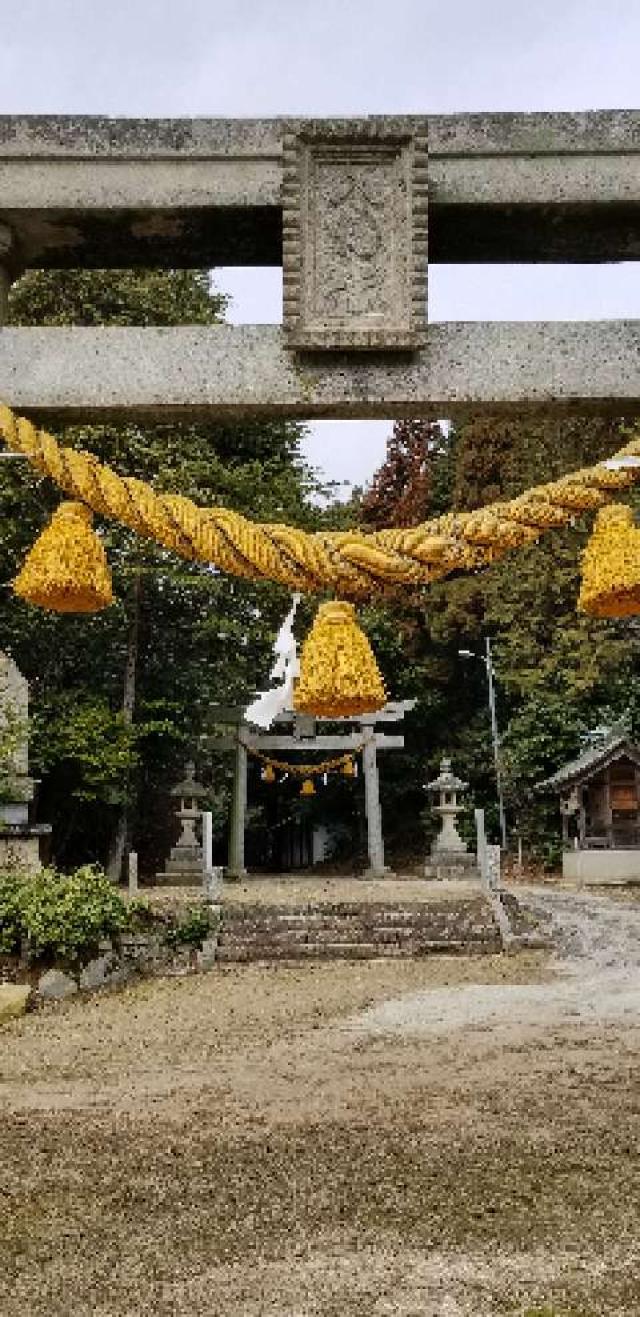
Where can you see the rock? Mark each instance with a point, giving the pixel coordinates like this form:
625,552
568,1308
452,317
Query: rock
206,958
182,962
140,947
97,972
13,1000
56,986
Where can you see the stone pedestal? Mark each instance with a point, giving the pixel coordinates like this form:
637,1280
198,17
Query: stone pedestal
457,865
20,847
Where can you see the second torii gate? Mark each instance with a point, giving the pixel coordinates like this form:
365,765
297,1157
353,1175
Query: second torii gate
304,737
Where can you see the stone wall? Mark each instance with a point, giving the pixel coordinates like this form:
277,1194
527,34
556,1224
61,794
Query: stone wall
311,932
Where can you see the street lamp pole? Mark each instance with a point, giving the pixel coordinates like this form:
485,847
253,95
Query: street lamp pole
487,659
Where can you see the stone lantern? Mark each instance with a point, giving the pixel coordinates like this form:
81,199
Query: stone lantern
184,865
449,855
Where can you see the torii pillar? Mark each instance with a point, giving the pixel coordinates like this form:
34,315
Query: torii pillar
236,867
375,843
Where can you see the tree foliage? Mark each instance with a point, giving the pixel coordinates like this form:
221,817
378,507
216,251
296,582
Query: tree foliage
413,482
200,638
558,673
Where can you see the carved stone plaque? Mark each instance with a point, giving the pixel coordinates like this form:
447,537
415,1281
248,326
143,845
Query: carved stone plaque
355,234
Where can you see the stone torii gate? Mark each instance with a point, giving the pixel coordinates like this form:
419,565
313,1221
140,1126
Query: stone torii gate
351,209
347,207
304,736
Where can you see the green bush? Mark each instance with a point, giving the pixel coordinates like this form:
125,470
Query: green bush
191,929
141,917
63,918
12,896
60,917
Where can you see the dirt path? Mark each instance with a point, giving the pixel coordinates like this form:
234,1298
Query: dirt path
452,1137
596,960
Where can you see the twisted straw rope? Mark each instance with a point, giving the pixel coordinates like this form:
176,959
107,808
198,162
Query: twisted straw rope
351,563
305,770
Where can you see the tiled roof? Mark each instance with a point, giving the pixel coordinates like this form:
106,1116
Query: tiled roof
591,759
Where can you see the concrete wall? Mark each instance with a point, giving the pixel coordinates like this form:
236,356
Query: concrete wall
606,866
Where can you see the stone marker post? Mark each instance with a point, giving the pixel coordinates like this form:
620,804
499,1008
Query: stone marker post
211,874
133,873
489,869
481,841
207,841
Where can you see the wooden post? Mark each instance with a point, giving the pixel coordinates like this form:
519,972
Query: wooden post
607,807
236,867
372,804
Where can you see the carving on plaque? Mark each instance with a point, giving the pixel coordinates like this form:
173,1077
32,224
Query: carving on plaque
355,234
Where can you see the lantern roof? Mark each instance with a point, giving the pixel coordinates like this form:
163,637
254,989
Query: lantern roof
446,780
189,787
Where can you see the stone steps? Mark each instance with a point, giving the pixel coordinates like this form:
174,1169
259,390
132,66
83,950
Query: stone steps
307,951
349,931
336,933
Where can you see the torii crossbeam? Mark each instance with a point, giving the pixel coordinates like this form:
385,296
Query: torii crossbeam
354,342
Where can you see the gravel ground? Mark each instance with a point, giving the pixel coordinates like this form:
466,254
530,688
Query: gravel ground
335,1139
296,891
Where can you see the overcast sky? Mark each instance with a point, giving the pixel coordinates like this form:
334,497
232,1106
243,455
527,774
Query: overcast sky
317,57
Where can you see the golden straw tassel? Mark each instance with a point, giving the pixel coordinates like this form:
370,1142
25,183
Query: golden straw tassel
339,676
611,565
66,571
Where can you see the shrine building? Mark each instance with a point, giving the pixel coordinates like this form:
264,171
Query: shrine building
600,807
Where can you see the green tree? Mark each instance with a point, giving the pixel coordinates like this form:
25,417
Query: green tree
122,697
